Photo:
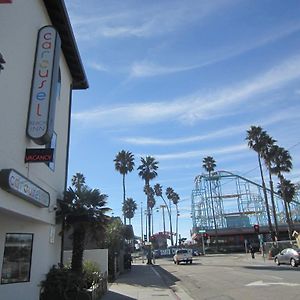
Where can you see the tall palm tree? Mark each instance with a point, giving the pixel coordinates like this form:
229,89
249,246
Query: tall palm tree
85,210
175,200
147,171
287,190
209,165
158,193
151,200
169,194
267,155
124,163
129,209
78,181
256,141
282,163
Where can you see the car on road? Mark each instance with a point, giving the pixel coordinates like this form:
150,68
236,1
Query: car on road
288,256
183,255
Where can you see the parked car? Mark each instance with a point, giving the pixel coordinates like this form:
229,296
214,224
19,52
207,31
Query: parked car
288,256
196,252
183,255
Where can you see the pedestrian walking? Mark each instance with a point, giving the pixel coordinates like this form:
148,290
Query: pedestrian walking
252,251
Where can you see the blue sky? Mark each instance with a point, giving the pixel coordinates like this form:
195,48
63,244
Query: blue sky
181,80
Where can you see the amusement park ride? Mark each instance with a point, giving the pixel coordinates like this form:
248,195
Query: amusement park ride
233,207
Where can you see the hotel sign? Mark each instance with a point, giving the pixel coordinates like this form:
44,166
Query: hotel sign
39,155
15,183
41,112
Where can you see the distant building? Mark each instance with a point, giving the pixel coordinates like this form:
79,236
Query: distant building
40,66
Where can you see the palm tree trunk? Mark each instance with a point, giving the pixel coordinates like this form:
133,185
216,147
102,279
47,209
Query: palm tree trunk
152,230
124,196
164,221
266,198
171,231
213,212
287,215
149,260
170,219
273,204
78,248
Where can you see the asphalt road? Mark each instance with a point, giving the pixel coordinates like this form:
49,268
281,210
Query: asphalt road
234,277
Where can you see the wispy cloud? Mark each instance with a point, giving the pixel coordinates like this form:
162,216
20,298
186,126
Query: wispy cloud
199,153
281,116
97,66
148,68
149,19
193,108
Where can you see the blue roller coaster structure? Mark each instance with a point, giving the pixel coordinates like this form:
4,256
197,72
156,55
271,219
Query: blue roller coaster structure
225,200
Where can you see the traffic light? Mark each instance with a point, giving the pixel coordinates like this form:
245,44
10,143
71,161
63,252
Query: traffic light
145,237
256,228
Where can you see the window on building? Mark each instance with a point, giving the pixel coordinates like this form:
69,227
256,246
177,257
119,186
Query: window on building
17,258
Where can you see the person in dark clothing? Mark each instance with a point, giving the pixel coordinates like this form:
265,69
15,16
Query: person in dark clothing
252,251
127,261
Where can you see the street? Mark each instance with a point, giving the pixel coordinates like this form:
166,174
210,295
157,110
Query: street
232,276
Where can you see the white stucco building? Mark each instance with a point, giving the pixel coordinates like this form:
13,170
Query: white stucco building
42,67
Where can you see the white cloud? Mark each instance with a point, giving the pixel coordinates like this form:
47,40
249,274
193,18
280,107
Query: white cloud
199,153
149,19
281,116
148,69
97,66
193,108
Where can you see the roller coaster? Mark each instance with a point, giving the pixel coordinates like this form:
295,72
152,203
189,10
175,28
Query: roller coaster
227,201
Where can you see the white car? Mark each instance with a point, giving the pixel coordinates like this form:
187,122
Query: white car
183,255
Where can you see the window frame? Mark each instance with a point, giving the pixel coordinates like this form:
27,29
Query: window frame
28,261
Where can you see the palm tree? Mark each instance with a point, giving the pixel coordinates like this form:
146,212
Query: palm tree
256,141
282,163
124,163
267,155
78,181
147,171
129,209
175,200
149,191
158,193
169,194
287,190
85,212
209,165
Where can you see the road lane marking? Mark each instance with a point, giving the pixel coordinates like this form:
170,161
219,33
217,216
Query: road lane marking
262,283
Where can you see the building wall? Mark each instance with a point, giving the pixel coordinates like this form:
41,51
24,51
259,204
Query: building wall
99,256
44,255
19,25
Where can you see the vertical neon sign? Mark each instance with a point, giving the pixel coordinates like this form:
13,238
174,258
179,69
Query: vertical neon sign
40,123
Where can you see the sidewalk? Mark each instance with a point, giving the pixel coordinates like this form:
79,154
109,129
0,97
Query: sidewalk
143,282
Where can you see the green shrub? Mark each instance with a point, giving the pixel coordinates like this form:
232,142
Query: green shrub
63,284
91,273
60,284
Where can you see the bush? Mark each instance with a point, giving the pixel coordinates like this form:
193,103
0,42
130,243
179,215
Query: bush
60,284
63,284
91,273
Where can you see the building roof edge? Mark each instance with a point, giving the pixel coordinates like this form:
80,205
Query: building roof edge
60,20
